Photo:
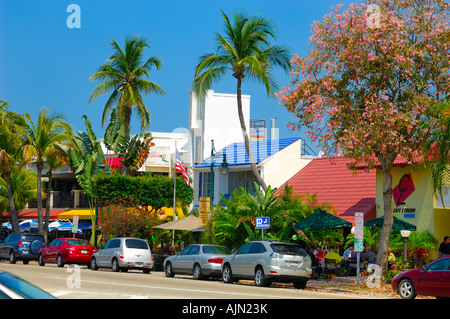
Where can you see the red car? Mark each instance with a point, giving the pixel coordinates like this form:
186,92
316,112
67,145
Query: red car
432,279
66,251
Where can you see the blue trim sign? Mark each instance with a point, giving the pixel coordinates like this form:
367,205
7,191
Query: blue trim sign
262,222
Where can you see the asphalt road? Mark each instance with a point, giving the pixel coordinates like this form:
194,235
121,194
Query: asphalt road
83,283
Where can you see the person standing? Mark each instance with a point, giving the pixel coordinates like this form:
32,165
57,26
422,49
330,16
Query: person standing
444,247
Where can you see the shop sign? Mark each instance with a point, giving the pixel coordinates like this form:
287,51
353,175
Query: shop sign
400,193
159,156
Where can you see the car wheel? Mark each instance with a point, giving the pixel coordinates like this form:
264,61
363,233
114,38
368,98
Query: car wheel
12,258
227,275
146,270
300,284
59,261
260,278
168,270
406,289
41,260
197,272
93,264
115,265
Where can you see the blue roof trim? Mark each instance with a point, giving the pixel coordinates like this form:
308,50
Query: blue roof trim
237,154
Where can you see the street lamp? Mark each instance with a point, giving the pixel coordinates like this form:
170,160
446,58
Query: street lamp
405,235
223,169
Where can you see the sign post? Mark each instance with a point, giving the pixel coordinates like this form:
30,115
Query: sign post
262,223
76,218
359,245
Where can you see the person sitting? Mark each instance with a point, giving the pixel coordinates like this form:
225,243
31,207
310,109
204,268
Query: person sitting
369,258
335,258
314,262
347,256
391,260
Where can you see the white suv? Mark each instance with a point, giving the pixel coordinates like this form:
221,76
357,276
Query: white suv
268,261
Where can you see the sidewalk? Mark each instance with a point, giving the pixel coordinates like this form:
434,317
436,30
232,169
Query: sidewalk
348,285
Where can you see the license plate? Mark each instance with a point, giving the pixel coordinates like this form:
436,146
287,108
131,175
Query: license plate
139,264
84,251
24,251
293,264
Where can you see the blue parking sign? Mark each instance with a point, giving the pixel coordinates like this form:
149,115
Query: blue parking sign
262,222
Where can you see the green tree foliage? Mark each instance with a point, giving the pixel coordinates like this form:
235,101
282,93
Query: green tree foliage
154,191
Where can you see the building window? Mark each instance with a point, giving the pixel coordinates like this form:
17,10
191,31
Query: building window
205,184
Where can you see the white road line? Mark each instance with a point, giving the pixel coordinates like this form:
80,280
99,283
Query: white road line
249,295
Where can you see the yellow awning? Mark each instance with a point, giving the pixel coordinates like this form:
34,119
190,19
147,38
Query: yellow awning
81,213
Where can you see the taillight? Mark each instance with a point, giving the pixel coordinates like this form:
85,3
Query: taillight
19,243
215,260
152,258
121,256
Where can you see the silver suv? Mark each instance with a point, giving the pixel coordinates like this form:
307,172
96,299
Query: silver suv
268,261
123,254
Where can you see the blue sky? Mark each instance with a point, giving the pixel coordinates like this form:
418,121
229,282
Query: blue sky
45,64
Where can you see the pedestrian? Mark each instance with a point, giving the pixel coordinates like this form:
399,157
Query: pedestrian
444,247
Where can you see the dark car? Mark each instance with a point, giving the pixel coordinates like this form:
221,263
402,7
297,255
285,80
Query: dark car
21,246
14,287
432,279
67,251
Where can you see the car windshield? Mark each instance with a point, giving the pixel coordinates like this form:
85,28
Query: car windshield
77,242
22,287
216,250
32,237
136,244
285,249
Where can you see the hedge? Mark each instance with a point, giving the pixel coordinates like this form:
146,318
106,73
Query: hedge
145,190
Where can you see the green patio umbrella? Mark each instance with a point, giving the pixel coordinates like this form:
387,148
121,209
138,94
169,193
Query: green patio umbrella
397,225
321,219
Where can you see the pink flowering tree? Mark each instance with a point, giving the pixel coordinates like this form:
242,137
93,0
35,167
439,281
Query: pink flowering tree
364,88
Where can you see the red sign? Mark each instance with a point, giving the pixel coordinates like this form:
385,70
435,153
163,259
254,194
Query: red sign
404,188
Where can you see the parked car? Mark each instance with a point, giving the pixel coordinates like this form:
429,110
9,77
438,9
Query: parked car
122,254
197,260
14,287
268,261
66,251
433,279
21,246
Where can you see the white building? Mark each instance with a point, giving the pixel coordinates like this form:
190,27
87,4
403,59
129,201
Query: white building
214,117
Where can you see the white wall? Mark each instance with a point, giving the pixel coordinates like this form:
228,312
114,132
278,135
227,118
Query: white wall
216,118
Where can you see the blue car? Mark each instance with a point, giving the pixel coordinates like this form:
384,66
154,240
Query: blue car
21,246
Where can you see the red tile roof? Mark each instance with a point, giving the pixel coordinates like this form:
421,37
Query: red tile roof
335,184
32,213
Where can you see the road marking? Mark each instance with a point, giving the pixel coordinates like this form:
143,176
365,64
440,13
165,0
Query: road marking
183,289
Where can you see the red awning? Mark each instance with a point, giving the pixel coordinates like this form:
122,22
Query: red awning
33,213
113,162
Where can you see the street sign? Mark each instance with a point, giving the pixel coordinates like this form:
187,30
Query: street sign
262,222
359,232
76,218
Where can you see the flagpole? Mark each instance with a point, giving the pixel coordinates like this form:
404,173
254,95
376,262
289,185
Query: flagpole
175,217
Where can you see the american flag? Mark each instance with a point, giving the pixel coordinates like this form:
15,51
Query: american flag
180,168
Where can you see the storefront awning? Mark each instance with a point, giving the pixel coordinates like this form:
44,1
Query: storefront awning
81,213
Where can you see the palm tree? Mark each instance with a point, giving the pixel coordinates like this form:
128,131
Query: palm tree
122,76
245,50
49,130
11,153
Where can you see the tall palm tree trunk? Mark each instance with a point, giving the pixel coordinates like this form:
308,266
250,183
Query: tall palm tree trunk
255,171
47,205
12,206
39,166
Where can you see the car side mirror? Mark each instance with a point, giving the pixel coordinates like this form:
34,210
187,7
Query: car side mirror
233,251
424,268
